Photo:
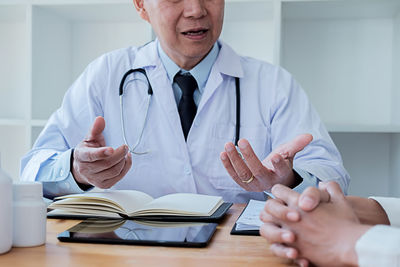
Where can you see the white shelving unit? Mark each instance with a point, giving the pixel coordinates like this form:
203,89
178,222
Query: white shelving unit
345,53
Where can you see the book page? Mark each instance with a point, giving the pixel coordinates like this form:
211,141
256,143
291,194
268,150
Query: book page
182,204
68,212
127,201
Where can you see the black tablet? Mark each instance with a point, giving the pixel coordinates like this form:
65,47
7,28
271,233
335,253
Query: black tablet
131,232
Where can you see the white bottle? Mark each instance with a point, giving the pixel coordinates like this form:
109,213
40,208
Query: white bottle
29,214
6,212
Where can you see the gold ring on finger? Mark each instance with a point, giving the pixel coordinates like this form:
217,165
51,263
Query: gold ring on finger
249,180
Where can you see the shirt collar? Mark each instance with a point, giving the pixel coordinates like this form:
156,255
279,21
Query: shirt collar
200,72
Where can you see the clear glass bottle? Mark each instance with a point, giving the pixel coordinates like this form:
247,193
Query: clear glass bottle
6,212
29,214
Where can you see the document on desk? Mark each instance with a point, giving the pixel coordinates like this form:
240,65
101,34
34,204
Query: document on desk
249,221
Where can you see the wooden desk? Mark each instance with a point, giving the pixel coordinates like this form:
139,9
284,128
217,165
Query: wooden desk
224,250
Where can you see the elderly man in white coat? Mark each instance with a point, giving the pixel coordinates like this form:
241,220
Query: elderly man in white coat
169,139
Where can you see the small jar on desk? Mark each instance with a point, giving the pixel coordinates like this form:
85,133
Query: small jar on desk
29,214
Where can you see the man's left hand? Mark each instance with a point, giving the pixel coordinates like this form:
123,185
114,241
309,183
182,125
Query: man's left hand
255,175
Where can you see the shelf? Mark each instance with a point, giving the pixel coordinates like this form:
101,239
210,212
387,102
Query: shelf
347,128
340,9
66,38
250,27
13,122
13,146
14,63
40,123
343,54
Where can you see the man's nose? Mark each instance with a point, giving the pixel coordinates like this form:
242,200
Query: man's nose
194,8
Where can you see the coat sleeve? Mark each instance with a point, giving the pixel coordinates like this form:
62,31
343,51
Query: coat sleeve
49,159
292,114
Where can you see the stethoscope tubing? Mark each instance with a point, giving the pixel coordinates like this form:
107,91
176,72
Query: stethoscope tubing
149,95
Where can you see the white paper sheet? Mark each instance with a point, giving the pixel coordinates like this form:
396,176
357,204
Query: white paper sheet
250,218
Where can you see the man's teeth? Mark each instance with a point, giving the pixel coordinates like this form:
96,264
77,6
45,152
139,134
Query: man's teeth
195,32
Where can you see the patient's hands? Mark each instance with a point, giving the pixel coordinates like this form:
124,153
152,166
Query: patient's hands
96,164
298,228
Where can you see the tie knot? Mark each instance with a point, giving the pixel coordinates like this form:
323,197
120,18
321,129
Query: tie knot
187,83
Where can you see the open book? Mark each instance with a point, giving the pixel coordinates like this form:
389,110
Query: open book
138,205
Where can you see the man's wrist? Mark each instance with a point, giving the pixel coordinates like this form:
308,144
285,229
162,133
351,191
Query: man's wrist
82,186
368,210
297,179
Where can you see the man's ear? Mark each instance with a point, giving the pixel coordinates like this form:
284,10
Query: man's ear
139,5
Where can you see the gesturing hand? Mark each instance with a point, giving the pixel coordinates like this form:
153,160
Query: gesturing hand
96,164
254,175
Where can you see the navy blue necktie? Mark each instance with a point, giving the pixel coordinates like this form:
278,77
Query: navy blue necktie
186,107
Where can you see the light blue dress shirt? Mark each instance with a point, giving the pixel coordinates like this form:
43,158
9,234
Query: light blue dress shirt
54,168
200,72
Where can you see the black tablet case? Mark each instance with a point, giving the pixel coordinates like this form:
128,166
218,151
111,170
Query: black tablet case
65,237
215,217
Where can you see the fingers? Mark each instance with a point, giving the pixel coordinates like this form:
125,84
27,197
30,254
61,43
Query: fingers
280,211
334,190
239,166
113,170
296,145
101,169
252,161
275,234
283,251
228,166
92,154
302,262
311,197
116,157
127,164
97,128
286,194
280,167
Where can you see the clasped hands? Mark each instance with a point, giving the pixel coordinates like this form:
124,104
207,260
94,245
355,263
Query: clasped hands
320,225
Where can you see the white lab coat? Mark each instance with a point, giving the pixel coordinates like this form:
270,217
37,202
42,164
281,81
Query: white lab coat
274,109
380,245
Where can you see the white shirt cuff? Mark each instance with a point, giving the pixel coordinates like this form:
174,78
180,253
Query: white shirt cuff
392,208
379,246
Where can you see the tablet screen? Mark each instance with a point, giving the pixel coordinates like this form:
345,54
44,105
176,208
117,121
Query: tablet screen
140,232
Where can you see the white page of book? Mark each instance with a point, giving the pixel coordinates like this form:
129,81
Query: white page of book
128,200
184,203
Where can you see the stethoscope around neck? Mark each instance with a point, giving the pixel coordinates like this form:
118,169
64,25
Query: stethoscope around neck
132,149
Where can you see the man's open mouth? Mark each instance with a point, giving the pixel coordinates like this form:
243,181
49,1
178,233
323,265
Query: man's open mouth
195,32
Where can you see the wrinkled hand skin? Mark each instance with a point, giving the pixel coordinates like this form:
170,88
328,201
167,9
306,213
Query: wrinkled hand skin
276,168
96,164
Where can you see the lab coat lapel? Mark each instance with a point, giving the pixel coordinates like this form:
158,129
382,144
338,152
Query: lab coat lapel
227,63
148,58
164,96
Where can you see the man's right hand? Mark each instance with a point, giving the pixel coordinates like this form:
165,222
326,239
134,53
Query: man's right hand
96,164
